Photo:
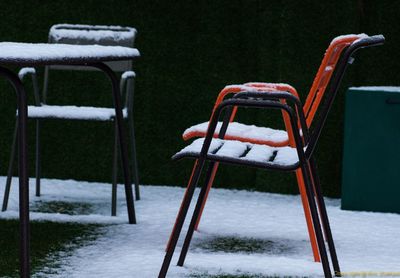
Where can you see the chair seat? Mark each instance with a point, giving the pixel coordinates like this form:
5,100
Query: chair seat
231,151
73,112
242,132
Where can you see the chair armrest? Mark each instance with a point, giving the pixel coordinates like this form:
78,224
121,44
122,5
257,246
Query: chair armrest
127,86
128,74
260,87
288,97
26,71
31,71
255,103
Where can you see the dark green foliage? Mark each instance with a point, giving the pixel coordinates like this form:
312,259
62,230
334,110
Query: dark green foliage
47,237
190,50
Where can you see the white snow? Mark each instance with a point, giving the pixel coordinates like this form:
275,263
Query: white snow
360,36
259,153
377,88
44,52
128,74
261,84
258,87
73,112
365,241
286,156
25,71
242,87
91,32
236,129
231,148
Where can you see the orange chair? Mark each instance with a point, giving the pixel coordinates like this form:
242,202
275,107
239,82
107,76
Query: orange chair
260,135
230,130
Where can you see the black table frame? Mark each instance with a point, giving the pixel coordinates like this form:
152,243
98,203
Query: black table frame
23,147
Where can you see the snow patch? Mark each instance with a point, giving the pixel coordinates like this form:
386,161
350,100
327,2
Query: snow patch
128,74
236,129
73,112
377,88
92,32
46,52
365,241
25,71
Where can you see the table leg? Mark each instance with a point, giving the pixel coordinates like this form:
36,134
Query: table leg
22,169
122,138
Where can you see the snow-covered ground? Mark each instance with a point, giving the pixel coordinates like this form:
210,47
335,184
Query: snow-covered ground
367,242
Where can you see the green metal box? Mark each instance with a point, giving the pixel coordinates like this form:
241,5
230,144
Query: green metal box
371,155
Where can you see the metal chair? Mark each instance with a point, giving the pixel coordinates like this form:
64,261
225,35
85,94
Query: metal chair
83,35
273,137
296,156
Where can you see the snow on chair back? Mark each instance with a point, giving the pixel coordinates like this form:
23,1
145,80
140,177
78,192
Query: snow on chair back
94,34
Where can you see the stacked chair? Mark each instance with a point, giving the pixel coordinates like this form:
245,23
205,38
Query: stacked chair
230,142
83,35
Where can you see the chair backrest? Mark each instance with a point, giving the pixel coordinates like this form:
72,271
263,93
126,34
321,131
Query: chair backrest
94,34
324,74
344,60
86,35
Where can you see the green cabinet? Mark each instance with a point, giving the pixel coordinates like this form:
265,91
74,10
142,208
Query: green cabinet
371,153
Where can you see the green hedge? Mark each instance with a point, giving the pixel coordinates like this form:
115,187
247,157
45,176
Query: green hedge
190,50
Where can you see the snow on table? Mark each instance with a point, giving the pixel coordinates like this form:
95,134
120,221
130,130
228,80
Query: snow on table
365,241
46,53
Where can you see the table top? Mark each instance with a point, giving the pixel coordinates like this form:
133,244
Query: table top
31,54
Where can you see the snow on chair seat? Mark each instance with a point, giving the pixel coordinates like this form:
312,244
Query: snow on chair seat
73,112
242,132
246,153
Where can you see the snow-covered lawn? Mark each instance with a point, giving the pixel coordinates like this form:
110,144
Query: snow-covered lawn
368,242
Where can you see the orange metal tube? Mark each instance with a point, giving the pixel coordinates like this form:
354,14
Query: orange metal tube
180,209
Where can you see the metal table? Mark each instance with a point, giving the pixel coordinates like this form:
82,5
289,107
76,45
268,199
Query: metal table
32,55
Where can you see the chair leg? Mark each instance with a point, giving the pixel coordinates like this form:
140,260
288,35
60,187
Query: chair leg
315,218
10,168
307,215
324,217
116,94
196,213
209,181
135,171
181,217
38,159
114,174
181,208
